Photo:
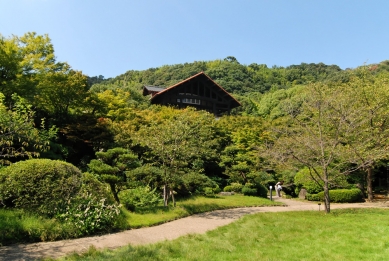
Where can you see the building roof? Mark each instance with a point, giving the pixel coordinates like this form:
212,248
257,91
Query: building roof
154,88
201,74
151,90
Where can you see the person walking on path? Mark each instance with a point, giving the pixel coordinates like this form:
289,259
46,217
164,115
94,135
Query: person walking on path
279,187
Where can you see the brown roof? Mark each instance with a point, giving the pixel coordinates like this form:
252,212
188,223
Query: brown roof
190,78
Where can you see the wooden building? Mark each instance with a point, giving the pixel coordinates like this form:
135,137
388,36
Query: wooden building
198,91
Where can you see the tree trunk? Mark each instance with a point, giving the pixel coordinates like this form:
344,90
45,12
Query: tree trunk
326,197
369,182
174,201
165,196
114,192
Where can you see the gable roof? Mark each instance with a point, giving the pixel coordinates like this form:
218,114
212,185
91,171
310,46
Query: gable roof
235,103
154,88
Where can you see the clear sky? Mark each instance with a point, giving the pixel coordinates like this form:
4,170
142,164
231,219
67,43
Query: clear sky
110,37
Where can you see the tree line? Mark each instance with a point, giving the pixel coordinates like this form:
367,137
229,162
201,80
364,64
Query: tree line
319,117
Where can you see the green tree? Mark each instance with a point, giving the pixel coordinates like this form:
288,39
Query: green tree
18,135
111,167
175,142
316,135
368,95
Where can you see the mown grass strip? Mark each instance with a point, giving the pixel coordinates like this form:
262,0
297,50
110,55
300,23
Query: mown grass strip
356,234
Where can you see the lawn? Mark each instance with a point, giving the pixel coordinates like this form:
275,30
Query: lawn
17,226
354,234
186,207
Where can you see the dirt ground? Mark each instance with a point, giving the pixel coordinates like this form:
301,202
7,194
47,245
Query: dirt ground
198,224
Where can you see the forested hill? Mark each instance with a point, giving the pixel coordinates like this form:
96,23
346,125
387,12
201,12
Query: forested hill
233,76
238,78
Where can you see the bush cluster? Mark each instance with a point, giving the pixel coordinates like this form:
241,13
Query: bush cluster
90,214
139,197
339,196
304,180
40,185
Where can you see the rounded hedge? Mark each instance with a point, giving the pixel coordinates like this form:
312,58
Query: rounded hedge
304,180
339,196
40,185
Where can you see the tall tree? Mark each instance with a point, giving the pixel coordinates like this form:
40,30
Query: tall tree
315,135
177,141
368,143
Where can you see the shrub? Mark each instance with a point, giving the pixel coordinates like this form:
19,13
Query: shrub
195,183
339,196
139,197
304,180
211,191
261,190
90,214
227,189
41,185
236,187
91,185
248,191
313,197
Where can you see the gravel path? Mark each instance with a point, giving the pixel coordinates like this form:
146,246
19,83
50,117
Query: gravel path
199,223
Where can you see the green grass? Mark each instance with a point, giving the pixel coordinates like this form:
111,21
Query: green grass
355,234
18,226
186,207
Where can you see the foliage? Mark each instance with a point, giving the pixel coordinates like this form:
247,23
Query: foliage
90,214
303,179
40,185
195,183
176,139
18,226
111,167
211,191
236,187
339,196
318,133
93,187
262,191
227,188
18,135
254,189
139,197
249,191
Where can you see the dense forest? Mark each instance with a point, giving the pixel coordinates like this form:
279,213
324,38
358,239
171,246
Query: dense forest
297,123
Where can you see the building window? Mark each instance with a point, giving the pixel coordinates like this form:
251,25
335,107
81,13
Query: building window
191,101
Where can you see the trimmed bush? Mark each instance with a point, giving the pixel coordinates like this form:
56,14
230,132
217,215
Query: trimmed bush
139,197
91,185
339,196
236,187
227,189
40,185
261,190
304,180
313,197
248,191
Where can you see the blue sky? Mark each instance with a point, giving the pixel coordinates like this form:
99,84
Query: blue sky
111,37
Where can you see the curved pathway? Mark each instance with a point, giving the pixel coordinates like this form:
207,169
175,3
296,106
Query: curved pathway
199,223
